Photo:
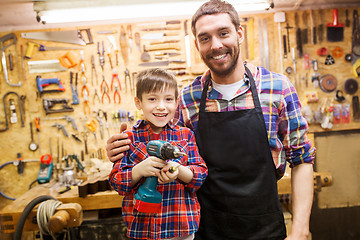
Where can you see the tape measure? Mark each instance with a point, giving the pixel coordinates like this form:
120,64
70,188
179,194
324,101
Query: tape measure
45,170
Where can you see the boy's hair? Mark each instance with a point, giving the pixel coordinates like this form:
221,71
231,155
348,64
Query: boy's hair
214,7
153,80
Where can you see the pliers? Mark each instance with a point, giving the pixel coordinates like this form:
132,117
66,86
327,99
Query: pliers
101,55
117,93
96,96
115,76
105,93
93,71
127,76
86,103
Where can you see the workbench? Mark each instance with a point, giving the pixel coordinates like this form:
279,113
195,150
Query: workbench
10,214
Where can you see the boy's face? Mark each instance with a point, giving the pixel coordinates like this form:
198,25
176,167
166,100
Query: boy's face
158,107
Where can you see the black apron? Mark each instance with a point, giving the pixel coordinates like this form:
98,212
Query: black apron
239,199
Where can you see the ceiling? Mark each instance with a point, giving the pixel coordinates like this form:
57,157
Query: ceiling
19,14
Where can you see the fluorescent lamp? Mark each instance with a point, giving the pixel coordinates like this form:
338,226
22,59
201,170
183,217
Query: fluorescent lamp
139,11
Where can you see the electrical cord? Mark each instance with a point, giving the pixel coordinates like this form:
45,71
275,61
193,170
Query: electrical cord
45,211
26,212
1,193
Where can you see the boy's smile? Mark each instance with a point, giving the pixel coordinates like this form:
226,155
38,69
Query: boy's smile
158,107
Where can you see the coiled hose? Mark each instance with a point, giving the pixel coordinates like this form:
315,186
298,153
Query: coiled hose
1,193
26,212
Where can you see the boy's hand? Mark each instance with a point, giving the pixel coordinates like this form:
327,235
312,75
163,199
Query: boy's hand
117,144
164,176
149,167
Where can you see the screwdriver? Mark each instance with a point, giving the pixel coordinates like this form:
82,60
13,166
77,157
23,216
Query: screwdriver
37,123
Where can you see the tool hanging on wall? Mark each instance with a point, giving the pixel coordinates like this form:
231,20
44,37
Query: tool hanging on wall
42,48
6,42
320,27
42,83
351,86
288,36
304,31
32,146
37,124
62,127
335,30
313,28
356,108
49,104
67,118
72,36
45,66
116,50
75,97
355,40
279,17
101,55
328,83
6,115
299,47
124,45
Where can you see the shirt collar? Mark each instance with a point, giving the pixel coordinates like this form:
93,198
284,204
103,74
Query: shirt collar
144,124
253,69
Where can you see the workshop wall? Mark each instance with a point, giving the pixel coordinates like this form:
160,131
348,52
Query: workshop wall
261,46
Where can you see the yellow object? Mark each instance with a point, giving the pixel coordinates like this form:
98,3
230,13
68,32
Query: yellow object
355,67
30,49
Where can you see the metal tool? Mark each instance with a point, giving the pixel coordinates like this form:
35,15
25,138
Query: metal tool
91,125
48,105
37,124
32,146
148,199
72,36
160,63
299,47
46,167
67,118
42,83
45,66
101,55
154,36
124,44
4,44
75,97
6,113
62,127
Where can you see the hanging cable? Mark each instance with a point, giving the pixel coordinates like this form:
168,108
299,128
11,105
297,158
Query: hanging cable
45,211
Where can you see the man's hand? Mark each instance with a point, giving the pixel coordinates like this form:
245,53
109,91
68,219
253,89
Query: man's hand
117,144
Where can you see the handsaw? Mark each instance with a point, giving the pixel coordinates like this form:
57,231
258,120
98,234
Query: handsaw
71,36
160,63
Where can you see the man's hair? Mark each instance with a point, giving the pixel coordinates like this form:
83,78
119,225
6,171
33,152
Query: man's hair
153,80
214,7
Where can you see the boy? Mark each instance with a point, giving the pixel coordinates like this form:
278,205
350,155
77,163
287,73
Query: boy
156,96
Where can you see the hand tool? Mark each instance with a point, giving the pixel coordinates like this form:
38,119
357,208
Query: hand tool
45,66
294,59
46,167
105,93
279,17
299,47
170,54
72,36
32,45
145,56
117,94
172,28
284,45
329,60
148,199
335,30
116,50
32,146
96,96
75,136
160,63
154,36
4,44
320,26
355,39
115,77
22,62
129,30
138,40
48,104
313,28
103,84
124,46
288,36
13,117
187,45
85,136
67,118
165,41
75,97
86,102
68,60
62,127
304,31
84,89
356,108
11,61
37,124
127,77
101,55
6,113
107,32
91,125
101,124
109,56
347,21
160,23
42,83
164,47
93,70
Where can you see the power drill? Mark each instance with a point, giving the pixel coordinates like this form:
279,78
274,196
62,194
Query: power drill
148,199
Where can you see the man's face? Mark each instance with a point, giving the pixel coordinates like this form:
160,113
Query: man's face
218,42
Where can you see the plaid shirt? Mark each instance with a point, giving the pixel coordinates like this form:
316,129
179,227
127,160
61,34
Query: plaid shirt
286,127
180,209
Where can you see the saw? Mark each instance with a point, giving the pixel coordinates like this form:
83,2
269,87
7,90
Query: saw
72,36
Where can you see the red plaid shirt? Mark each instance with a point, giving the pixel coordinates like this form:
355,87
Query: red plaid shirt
180,209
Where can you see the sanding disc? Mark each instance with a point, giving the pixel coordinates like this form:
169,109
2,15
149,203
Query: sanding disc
351,86
328,83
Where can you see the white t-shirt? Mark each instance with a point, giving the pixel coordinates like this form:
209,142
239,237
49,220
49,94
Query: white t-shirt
228,90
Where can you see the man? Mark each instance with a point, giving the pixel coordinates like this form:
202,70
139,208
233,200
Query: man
247,122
